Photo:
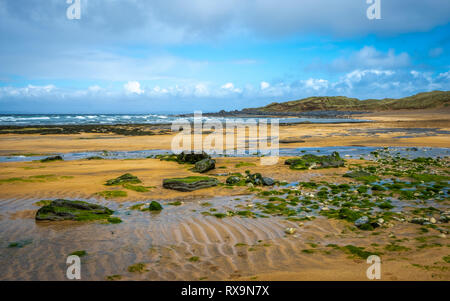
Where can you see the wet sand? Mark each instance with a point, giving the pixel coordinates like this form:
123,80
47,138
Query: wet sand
181,243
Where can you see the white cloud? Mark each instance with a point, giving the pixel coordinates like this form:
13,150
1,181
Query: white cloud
316,84
264,85
95,88
230,88
133,87
370,58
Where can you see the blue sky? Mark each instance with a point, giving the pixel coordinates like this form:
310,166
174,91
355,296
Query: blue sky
134,56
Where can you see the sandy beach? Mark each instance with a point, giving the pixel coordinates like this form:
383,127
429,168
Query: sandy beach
185,241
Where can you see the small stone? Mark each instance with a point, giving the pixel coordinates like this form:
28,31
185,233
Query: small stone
289,230
433,220
361,221
266,181
380,221
325,208
442,235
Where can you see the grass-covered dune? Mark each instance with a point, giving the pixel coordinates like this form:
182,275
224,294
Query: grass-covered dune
427,100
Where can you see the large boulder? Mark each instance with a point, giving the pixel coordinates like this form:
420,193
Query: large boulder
60,209
204,165
266,181
192,157
190,183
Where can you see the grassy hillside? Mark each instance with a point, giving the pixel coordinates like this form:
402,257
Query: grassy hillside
427,100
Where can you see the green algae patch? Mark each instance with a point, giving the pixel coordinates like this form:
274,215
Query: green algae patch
190,183
114,220
310,161
20,243
43,203
358,251
176,203
109,194
136,188
32,179
243,164
137,268
114,277
60,209
194,259
80,253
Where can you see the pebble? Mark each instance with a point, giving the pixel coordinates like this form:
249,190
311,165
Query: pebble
433,220
289,230
442,235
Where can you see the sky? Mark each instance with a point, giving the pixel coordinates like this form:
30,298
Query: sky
173,56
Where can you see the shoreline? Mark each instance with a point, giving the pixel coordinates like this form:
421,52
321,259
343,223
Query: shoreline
187,240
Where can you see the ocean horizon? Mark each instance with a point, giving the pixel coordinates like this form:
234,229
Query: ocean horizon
111,119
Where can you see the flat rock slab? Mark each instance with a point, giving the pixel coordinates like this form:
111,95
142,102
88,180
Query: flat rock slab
60,209
190,183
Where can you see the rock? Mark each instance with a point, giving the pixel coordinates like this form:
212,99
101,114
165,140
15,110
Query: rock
60,209
155,206
291,140
231,180
250,185
420,220
190,183
380,221
325,208
361,221
125,178
442,235
204,165
433,220
267,181
52,159
289,230
192,157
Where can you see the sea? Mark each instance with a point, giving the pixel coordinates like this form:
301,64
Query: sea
111,119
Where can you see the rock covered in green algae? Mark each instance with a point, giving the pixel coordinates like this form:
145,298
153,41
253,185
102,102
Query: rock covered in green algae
123,179
204,165
155,206
255,179
190,183
231,180
310,161
192,157
60,209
